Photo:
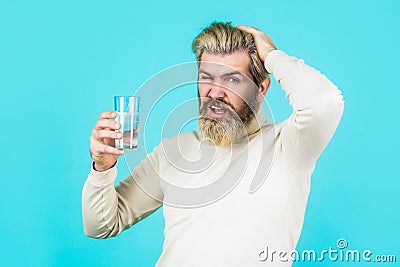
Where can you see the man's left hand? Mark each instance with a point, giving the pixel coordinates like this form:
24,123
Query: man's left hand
263,42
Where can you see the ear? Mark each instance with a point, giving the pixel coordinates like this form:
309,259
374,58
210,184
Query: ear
263,88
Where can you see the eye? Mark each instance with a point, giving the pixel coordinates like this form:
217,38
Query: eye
204,77
233,80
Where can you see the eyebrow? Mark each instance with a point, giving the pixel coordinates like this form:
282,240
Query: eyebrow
225,74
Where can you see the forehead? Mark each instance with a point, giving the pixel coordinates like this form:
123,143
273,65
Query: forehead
217,64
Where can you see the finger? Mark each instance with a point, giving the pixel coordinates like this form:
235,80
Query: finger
99,148
110,150
106,123
105,141
108,115
248,29
100,134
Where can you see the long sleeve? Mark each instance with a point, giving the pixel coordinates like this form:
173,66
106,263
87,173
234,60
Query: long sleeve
317,109
108,210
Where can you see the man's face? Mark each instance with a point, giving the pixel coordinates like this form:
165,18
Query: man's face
228,96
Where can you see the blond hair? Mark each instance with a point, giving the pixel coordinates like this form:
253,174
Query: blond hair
223,38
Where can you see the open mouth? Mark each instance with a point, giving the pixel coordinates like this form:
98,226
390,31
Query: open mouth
216,112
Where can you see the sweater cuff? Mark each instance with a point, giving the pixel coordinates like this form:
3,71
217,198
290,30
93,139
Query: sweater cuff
272,58
103,178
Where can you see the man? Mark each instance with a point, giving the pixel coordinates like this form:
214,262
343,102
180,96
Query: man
231,227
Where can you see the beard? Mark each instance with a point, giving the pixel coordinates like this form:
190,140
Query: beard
231,127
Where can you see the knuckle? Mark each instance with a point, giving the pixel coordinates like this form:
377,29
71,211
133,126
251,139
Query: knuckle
104,149
106,134
94,146
98,124
100,134
103,123
96,135
105,114
109,114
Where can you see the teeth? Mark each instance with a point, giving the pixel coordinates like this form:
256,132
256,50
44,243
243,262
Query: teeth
217,110
214,107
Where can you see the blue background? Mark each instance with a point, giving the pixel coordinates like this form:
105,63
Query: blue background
61,62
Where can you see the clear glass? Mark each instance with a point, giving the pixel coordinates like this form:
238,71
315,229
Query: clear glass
127,108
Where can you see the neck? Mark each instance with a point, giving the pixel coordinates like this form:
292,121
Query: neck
254,125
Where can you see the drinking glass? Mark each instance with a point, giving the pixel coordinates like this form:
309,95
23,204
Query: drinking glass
127,108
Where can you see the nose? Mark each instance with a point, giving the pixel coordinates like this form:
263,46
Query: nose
216,92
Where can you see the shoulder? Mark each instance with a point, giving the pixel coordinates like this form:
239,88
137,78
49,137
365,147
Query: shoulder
272,128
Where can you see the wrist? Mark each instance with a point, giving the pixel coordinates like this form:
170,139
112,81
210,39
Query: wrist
272,59
102,178
268,52
101,168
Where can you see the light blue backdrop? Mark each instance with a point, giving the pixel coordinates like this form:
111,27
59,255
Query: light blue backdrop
61,62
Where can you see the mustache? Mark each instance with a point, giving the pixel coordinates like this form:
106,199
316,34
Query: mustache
207,102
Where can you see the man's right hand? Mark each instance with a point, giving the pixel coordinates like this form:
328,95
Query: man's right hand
102,142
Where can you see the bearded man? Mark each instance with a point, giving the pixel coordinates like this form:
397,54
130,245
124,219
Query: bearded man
243,203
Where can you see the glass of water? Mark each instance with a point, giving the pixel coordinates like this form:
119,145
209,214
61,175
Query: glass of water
127,108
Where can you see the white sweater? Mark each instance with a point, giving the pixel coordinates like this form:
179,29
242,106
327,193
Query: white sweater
232,223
